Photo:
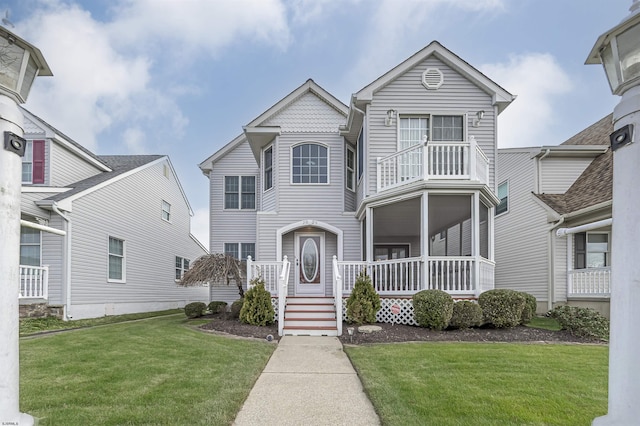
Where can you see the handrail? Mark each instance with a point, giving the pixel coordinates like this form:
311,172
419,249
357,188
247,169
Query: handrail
282,293
337,294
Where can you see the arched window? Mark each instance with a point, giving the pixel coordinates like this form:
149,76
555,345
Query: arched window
310,164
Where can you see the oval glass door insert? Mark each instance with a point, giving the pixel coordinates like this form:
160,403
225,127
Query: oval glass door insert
310,260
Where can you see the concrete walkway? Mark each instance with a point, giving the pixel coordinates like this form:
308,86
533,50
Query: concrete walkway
308,381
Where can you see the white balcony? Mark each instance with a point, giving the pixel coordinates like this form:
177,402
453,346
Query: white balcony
443,160
590,282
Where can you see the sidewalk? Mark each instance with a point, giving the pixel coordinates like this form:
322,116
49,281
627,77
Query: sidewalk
307,381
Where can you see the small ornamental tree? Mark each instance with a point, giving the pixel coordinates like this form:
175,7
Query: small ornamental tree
257,308
364,302
217,269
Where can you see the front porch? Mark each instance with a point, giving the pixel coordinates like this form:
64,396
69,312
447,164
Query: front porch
464,277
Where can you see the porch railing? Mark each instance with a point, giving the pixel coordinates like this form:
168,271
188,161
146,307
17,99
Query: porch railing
283,284
444,160
452,274
591,282
34,282
337,294
486,275
389,277
268,271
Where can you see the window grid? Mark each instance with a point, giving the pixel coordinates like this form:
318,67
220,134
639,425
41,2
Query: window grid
240,192
240,250
27,163
182,266
29,246
310,164
447,128
231,249
166,211
503,195
268,168
248,192
598,250
116,259
351,172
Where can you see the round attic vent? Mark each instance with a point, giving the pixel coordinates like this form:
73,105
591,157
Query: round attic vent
432,78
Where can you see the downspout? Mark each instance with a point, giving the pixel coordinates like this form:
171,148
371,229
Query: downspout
67,266
551,262
539,165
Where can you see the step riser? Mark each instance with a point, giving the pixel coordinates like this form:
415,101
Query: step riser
310,332
323,308
310,314
311,300
309,323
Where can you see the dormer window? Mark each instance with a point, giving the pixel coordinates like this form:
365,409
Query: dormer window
310,164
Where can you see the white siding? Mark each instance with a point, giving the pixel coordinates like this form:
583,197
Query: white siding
407,95
66,167
308,113
558,173
28,206
521,236
53,256
269,198
130,209
232,226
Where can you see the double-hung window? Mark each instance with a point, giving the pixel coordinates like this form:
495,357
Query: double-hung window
268,168
591,250
33,162
29,246
182,266
116,260
350,172
240,192
240,250
166,211
310,164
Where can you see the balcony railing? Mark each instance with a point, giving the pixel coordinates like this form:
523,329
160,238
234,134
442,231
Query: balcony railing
34,282
444,160
590,282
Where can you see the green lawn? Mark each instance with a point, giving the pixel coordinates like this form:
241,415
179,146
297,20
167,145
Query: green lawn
153,372
484,384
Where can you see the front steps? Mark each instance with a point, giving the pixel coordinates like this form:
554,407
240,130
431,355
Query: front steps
310,316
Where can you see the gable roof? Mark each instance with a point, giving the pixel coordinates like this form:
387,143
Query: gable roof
207,164
501,97
595,185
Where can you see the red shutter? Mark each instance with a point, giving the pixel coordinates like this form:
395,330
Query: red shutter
38,162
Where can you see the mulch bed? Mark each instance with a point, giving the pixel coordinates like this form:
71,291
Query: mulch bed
405,333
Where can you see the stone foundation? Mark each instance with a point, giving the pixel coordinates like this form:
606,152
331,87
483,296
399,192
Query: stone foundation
41,310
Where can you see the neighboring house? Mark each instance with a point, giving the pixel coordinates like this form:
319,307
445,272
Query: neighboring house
553,226
101,235
400,182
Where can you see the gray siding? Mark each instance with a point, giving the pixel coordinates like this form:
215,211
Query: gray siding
231,226
130,209
28,206
66,167
350,196
558,174
407,95
53,256
270,197
521,235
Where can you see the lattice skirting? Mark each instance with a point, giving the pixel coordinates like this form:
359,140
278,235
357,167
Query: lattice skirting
384,315
274,303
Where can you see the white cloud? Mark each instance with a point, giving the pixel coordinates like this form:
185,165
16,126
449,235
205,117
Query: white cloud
538,80
200,225
134,139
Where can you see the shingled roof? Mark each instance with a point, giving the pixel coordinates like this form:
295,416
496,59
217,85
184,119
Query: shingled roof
119,164
595,184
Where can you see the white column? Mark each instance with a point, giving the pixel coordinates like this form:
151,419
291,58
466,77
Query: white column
369,234
424,239
10,182
624,344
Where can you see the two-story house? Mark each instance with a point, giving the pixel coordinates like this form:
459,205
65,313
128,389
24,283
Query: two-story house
400,182
100,235
553,226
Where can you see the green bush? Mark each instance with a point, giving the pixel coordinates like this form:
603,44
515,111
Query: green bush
502,308
217,307
432,309
257,308
585,322
364,302
530,307
466,314
236,307
194,309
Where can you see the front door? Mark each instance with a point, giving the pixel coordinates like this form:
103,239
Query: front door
309,271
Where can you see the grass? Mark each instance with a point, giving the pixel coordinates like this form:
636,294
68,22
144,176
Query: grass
37,325
484,384
544,323
155,372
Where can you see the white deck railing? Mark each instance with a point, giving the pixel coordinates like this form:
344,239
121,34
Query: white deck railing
591,282
444,160
452,274
389,277
268,271
337,294
486,277
34,282
283,285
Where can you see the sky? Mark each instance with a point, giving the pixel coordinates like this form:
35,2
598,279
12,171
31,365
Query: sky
181,78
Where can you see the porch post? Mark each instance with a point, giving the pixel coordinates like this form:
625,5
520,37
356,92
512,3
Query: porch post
369,236
475,243
424,239
473,167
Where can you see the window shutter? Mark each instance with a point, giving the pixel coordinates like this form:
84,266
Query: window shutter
580,250
38,162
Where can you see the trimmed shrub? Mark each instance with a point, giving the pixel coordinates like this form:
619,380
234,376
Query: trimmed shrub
432,309
194,309
236,307
530,307
502,308
257,308
466,314
585,322
364,302
217,307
